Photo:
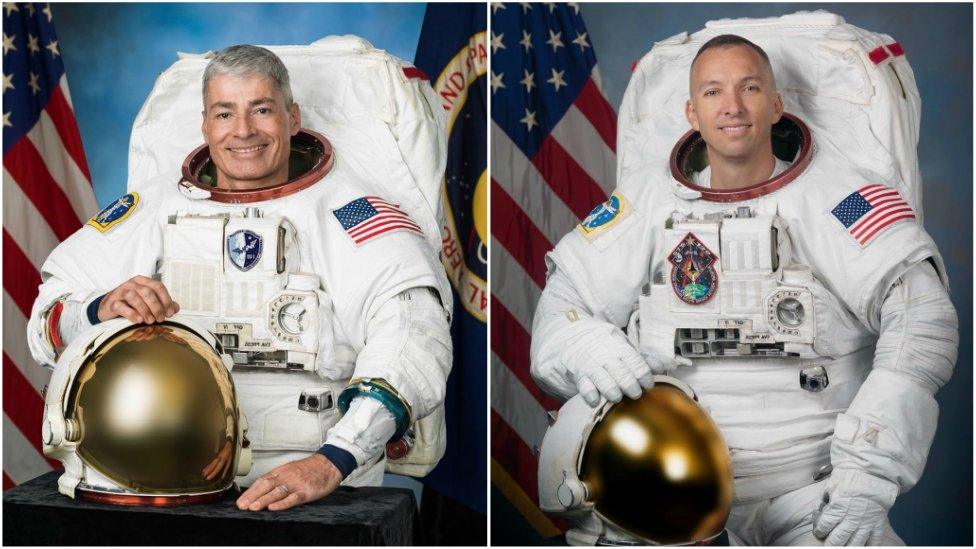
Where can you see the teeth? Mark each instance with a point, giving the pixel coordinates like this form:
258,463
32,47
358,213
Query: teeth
248,149
734,128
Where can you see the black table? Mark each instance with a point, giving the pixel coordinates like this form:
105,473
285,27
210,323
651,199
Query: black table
35,513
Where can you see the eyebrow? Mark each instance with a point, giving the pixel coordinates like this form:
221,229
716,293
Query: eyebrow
714,82
231,105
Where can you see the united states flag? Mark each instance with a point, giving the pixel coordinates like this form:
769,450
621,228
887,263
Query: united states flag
369,217
553,142
47,195
870,210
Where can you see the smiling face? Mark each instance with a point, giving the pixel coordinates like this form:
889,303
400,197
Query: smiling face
248,128
733,104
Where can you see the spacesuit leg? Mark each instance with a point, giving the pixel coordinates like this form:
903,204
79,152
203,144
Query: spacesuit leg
744,525
789,518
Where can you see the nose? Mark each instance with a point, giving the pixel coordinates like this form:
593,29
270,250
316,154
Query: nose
732,104
243,126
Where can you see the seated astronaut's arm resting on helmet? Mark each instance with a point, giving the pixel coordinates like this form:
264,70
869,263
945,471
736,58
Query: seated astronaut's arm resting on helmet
888,429
406,357
360,436
559,306
574,350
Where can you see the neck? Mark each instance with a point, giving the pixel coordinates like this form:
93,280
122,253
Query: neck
738,174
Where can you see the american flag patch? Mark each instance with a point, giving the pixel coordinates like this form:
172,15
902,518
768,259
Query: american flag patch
871,210
370,216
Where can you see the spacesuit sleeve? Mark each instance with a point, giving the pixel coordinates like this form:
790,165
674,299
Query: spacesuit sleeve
591,287
890,425
83,267
390,305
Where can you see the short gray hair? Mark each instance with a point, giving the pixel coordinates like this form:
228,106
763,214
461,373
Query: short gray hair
247,60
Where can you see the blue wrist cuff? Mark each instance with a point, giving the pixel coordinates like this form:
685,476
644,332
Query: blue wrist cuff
343,460
93,309
380,391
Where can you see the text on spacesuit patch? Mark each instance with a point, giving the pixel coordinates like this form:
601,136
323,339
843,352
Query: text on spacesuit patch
115,213
693,275
244,249
368,217
869,211
604,216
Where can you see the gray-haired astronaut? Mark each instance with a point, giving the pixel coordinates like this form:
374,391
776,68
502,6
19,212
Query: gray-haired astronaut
798,296
305,276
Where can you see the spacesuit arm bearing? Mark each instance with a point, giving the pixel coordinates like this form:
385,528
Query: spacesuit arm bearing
572,351
52,326
889,427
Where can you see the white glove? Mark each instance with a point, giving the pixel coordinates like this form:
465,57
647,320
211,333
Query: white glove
855,508
602,362
664,365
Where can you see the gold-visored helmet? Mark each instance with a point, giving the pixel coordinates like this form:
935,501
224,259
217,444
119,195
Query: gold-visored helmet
653,470
145,415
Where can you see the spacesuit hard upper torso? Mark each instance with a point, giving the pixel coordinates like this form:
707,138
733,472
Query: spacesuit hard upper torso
284,287
772,299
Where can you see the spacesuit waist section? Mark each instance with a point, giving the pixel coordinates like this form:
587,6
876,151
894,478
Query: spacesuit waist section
238,272
728,288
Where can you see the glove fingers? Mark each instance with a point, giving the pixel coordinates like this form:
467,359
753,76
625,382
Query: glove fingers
877,537
588,391
606,385
626,380
640,368
841,533
860,537
830,517
682,361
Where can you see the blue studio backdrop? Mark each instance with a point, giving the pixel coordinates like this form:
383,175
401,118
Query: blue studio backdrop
113,54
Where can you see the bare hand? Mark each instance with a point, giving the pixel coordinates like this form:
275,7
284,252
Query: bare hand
292,484
139,299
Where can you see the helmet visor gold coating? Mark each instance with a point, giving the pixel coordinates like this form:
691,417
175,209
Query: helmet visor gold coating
157,412
659,469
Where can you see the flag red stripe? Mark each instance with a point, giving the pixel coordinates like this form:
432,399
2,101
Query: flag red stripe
871,186
7,482
23,405
878,213
905,214
879,194
64,120
511,452
511,342
568,180
887,200
896,49
27,168
380,220
598,111
363,238
516,232
20,278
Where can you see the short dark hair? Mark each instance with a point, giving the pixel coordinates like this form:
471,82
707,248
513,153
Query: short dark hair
728,40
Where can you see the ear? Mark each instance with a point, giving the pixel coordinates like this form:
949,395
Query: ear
777,108
203,126
691,115
295,113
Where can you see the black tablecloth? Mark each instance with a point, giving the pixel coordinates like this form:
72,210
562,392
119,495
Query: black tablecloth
35,513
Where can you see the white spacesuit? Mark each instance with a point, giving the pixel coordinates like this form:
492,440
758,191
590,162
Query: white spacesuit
321,302
817,344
